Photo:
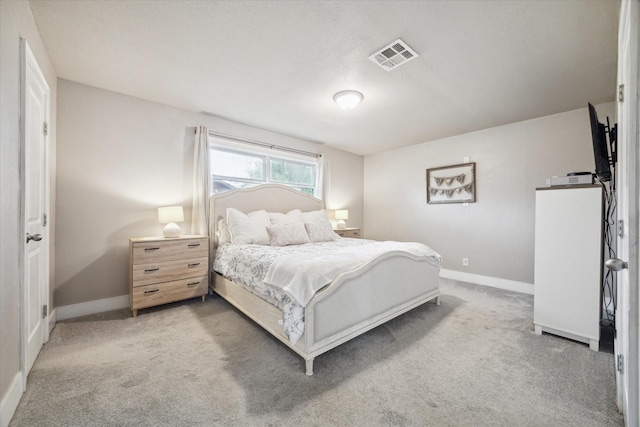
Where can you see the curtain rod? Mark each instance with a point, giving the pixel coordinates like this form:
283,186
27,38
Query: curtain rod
264,144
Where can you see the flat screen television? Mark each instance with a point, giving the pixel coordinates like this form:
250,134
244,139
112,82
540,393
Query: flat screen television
600,146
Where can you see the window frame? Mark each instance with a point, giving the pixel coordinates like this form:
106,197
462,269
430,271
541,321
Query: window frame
223,145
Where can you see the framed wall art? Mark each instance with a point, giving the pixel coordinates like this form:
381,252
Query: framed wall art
452,184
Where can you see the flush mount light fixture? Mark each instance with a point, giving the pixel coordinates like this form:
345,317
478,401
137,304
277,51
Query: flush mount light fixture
348,99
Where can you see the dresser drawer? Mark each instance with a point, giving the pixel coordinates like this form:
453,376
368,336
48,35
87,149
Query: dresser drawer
144,274
352,233
162,293
348,232
150,252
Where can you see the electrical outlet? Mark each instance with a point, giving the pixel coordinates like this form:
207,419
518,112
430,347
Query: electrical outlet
465,262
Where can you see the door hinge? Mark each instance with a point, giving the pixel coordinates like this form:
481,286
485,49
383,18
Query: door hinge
45,129
620,228
44,219
620,364
45,311
620,93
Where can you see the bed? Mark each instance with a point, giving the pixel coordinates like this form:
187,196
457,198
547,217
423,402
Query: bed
356,300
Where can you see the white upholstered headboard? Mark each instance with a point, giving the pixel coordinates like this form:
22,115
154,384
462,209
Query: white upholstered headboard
268,197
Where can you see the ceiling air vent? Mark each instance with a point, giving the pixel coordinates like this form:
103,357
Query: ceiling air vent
393,55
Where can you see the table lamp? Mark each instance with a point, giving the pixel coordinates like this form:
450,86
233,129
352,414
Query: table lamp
341,215
170,215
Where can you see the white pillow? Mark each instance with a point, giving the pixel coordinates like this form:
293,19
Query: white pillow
288,234
248,228
290,217
223,232
320,232
315,216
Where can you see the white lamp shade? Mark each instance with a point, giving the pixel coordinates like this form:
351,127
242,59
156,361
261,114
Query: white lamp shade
348,99
341,215
169,214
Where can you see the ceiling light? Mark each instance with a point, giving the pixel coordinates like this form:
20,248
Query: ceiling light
348,99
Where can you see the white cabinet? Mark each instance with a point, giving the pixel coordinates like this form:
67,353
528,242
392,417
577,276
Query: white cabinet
568,262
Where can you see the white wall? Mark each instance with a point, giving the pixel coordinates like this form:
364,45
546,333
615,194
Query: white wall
16,22
119,159
497,232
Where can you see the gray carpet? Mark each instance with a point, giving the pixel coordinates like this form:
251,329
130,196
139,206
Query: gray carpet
472,361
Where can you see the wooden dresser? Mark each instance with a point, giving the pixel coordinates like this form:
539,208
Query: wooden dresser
163,270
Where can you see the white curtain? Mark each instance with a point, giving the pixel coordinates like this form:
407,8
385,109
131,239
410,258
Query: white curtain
201,183
322,188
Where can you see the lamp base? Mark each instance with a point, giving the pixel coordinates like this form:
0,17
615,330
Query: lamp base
171,230
341,225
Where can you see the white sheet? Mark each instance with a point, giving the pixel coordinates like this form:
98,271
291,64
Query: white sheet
301,276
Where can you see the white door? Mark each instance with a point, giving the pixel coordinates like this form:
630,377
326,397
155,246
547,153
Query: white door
626,343
35,190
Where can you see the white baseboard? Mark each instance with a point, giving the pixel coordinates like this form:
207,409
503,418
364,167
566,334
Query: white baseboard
52,320
10,401
91,307
494,282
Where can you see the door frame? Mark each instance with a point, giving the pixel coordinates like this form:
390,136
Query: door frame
28,60
627,315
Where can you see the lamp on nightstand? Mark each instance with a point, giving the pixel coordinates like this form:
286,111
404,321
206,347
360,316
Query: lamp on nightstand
170,215
341,215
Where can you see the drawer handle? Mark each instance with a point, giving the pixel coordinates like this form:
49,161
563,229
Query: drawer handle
194,245
151,249
195,264
191,285
151,270
153,291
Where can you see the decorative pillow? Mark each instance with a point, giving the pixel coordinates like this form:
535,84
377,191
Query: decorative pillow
288,234
223,232
320,231
248,228
290,217
315,216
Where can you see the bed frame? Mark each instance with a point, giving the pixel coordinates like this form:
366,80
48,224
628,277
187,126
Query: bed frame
355,302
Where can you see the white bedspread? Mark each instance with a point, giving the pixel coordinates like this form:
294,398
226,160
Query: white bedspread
301,276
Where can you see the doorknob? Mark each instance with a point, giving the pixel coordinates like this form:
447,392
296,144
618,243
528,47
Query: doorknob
35,237
616,264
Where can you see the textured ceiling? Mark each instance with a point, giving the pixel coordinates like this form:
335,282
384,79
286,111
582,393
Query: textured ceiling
276,64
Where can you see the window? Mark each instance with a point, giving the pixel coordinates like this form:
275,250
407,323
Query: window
233,167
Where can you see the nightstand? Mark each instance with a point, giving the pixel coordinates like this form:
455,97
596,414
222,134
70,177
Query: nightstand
348,232
163,270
